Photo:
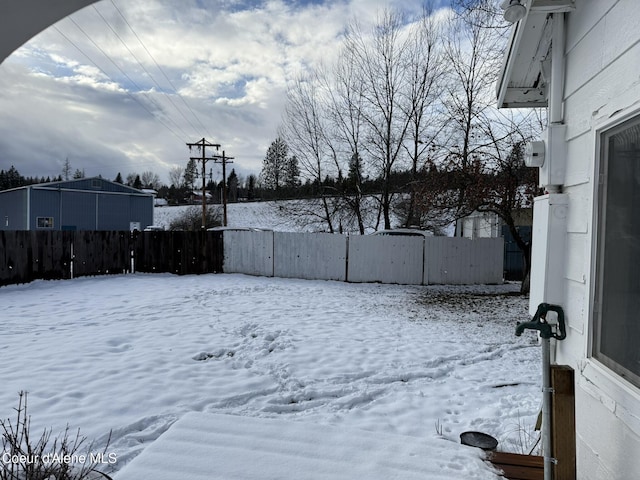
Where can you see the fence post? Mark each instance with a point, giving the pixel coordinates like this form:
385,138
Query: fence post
563,424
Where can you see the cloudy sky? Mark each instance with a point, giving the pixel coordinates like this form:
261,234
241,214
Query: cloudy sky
123,85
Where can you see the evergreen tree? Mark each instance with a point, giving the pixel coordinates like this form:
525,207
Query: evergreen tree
137,183
354,177
251,187
11,179
274,165
190,173
66,169
292,173
232,186
78,174
118,178
131,179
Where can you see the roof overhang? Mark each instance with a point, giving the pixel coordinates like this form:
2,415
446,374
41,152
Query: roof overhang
21,20
523,79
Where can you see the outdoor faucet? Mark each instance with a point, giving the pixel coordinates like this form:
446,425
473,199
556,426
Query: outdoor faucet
539,322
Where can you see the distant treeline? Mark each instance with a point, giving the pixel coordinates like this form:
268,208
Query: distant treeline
11,178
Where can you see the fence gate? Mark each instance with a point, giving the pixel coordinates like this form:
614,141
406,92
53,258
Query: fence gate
513,261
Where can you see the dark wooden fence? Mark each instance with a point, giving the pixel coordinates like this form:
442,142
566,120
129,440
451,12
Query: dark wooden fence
30,255
178,252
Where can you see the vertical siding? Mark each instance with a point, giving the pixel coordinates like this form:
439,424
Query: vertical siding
74,210
78,211
141,210
44,204
13,210
113,212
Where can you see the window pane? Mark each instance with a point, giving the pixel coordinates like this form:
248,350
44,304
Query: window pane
619,327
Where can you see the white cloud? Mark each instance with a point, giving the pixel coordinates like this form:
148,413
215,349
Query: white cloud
229,60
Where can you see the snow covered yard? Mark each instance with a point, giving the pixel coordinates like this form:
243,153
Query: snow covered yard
135,353
266,215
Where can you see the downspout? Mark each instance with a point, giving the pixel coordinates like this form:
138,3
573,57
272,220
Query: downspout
556,114
556,119
28,212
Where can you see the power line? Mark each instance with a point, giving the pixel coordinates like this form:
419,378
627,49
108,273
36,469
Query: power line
160,89
224,160
204,129
109,77
202,145
138,87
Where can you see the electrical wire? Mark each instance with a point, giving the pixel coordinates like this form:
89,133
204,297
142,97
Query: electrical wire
204,129
160,89
139,89
110,78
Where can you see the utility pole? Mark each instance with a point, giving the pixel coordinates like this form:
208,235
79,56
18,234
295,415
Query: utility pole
224,160
202,145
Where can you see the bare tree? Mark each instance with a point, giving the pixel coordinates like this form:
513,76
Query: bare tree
176,176
472,50
476,162
304,127
150,179
510,186
345,111
426,69
380,58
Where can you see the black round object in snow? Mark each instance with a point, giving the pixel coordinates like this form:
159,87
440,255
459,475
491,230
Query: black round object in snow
479,440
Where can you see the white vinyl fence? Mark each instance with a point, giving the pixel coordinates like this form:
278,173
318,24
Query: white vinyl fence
313,256
386,259
368,258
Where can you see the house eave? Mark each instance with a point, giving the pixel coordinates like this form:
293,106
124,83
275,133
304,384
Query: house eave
522,82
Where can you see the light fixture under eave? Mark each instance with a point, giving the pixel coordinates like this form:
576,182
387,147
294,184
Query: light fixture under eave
514,11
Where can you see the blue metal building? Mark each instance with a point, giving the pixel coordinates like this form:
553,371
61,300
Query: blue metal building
82,204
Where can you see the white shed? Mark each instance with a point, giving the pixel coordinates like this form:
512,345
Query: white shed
580,59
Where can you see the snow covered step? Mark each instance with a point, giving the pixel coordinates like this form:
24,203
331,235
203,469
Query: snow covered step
228,447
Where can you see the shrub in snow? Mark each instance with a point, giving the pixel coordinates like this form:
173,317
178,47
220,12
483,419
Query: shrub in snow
191,219
31,458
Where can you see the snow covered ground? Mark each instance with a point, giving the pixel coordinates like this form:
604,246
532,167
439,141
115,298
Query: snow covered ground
255,214
281,216
133,354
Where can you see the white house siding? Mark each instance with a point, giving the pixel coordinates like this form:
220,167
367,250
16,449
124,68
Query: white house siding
603,61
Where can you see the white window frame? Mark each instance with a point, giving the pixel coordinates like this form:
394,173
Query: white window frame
611,369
